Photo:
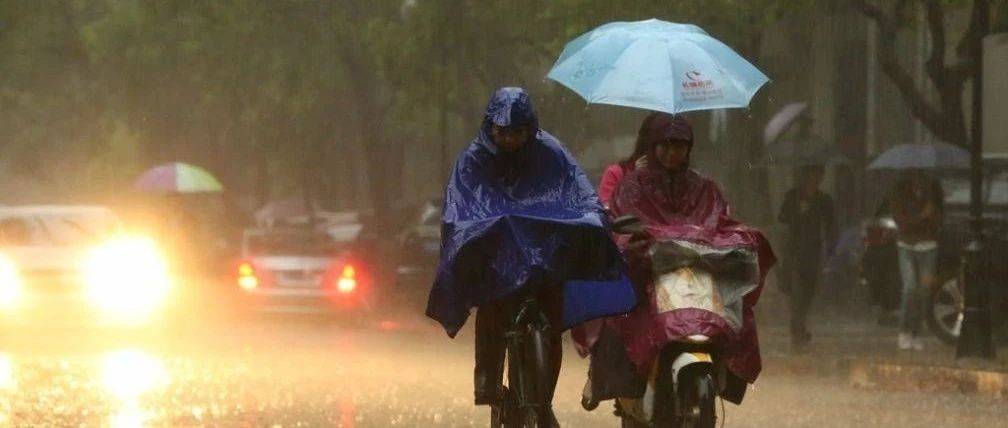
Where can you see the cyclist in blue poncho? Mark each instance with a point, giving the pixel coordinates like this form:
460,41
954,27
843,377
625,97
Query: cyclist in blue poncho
521,217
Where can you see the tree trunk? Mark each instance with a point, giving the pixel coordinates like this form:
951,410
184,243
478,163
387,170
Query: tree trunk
946,119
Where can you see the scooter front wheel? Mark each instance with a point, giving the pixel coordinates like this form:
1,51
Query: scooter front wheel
699,403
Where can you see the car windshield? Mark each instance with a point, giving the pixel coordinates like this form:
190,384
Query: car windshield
998,194
957,190
295,243
57,229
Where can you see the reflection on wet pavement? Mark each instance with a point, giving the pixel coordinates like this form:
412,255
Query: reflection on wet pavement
7,380
307,375
128,375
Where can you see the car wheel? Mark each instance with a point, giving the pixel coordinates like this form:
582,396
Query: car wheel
945,308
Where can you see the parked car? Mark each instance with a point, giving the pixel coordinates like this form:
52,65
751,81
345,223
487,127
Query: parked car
419,250
879,263
306,269
75,264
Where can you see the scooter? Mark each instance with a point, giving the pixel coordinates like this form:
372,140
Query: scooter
688,375
681,390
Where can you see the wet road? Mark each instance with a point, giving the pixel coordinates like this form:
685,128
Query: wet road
403,372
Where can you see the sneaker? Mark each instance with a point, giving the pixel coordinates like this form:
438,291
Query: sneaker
904,341
917,344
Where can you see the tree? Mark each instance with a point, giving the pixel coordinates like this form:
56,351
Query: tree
52,115
948,74
269,95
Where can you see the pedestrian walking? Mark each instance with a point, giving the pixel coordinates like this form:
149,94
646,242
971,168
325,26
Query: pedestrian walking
809,215
917,207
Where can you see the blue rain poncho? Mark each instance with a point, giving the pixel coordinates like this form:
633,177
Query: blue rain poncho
526,218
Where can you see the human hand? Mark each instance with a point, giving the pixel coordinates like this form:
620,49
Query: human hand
641,162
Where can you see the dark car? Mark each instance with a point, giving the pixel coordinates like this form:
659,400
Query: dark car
879,263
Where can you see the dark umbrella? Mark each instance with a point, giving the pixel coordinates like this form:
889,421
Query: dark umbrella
923,156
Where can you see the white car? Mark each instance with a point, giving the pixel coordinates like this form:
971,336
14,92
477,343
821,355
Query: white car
63,263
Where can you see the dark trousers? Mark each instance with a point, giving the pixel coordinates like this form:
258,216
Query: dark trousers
802,279
611,374
492,321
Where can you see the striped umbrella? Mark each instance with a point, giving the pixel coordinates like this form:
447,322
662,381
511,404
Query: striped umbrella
178,177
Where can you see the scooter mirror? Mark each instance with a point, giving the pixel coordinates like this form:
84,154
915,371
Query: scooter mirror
628,225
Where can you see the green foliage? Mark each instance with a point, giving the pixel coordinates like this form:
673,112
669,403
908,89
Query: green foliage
272,93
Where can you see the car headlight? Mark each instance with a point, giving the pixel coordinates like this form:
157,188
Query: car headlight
126,277
10,283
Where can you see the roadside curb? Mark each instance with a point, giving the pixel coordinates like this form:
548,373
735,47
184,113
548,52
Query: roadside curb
865,374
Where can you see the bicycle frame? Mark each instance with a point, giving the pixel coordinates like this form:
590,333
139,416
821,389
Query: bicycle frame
528,355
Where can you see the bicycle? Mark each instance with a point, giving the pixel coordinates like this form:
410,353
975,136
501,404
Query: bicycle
526,397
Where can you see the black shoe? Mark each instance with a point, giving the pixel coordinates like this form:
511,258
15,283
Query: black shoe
588,402
485,394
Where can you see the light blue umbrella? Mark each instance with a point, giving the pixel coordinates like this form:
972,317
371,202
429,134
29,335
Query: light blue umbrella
656,65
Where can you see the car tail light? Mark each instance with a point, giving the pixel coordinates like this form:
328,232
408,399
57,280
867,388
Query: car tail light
247,278
347,281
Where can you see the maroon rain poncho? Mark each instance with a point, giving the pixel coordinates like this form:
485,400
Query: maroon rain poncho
685,207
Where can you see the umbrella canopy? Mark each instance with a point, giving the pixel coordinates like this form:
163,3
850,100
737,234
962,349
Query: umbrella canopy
178,177
811,151
782,121
922,156
656,65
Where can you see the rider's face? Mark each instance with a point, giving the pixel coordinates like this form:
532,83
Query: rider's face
672,154
510,138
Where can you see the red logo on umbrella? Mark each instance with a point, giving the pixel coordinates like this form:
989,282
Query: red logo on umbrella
695,80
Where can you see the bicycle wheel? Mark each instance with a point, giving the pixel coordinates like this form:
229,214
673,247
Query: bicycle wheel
541,370
537,365
502,414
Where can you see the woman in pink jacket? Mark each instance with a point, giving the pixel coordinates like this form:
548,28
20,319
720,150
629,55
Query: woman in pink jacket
614,173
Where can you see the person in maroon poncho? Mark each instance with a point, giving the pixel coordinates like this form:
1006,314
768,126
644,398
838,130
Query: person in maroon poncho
677,204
